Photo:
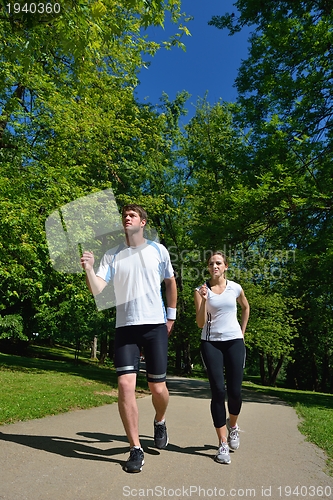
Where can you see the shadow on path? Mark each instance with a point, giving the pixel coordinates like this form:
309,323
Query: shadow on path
88,449
85,449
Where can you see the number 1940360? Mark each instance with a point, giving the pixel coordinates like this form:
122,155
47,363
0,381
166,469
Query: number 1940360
33,8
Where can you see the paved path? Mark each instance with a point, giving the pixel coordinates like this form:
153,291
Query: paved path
79,455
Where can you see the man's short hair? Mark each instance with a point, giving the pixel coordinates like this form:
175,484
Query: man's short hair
135,208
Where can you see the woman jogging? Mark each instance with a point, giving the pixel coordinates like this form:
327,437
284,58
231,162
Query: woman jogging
222,347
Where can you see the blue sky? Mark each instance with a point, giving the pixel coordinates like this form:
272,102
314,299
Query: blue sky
210,63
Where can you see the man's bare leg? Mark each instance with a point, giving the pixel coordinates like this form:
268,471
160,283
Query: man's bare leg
160,399
128,409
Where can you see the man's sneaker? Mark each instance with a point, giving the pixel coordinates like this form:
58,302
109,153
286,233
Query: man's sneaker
222,456
135,461
160,435
233,436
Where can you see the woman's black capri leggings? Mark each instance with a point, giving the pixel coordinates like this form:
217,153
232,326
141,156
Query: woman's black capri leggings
217,355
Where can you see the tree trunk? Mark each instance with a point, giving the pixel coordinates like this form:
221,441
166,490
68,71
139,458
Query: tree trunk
93,354
269,366
325,372
77,349
262,369
187,366
178,366
104,349
276,372
315,381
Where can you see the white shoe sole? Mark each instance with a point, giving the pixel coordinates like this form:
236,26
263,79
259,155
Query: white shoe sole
222,462
233,448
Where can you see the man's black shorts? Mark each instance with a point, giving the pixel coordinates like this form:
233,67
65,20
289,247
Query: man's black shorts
129,341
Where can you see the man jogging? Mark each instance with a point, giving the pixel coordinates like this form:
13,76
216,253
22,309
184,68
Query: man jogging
136,270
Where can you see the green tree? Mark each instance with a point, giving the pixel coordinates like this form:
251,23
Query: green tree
225,212
285,98
272,331
11,327
69,125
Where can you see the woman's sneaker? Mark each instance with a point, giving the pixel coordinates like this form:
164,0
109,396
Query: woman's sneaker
222,456
233,436
135,461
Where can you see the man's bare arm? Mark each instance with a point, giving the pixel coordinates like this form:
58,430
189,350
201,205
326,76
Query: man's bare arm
171,297
94,283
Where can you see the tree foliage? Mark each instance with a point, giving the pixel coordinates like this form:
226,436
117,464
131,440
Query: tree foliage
253,178
285,100
69,125
11,328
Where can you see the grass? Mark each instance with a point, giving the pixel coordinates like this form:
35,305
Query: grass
34,387
315,411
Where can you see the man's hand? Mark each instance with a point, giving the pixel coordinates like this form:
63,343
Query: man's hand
95,283
87,261
169,324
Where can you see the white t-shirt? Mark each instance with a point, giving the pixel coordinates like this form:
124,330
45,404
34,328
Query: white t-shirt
136,274
221,322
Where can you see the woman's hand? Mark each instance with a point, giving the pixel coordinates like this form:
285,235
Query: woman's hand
203,291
